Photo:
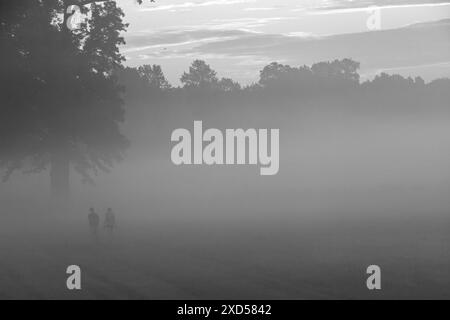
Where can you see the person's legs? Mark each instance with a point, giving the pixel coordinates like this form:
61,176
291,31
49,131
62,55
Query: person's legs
94,231
109,230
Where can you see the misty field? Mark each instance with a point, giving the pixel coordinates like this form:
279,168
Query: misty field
360,160
349,194
267,259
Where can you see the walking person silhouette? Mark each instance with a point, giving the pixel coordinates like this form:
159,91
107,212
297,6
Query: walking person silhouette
110,221
94,222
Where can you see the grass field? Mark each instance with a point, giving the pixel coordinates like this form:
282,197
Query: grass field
271,259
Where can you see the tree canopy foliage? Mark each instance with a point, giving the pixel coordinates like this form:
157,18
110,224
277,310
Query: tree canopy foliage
59,92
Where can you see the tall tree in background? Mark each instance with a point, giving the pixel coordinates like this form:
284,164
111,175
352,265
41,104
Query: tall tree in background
228,85
61,102
154,77
200,75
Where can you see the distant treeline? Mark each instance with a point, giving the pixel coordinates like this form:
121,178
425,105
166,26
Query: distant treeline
333,83
320,78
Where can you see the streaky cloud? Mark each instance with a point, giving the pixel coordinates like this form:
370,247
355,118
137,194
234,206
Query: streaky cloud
190,5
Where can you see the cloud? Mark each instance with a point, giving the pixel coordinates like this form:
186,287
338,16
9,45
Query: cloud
420,44
197,4
188,35
241,45
244,23
349,6
169,38
260,9
364,9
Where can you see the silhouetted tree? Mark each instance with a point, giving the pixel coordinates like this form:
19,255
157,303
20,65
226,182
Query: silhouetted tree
200,75
337,70
62,100
285,78
154,77
132,82
273,73
228,85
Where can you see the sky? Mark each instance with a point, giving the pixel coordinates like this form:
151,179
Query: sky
239,37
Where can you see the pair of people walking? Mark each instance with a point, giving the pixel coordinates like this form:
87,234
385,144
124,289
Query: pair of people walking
109,222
